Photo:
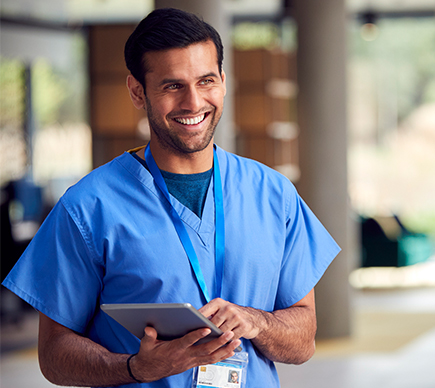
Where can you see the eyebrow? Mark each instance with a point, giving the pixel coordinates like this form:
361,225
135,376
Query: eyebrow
166,81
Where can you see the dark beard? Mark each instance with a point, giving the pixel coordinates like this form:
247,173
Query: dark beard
171,141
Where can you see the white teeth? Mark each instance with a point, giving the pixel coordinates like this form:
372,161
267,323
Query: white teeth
195,120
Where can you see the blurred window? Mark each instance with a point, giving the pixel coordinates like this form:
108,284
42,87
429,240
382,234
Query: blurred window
392,120
44,131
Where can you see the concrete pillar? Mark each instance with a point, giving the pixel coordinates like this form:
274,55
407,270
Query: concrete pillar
323,147
212,12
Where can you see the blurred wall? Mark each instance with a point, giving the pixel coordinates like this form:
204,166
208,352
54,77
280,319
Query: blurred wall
113,118
322,119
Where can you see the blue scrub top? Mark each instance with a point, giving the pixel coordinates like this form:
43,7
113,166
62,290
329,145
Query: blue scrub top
110,239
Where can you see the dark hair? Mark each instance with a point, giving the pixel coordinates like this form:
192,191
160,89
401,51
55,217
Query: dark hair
164,29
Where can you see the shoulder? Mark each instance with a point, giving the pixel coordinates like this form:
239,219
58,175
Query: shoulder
102,185
254,183
251,171
95,180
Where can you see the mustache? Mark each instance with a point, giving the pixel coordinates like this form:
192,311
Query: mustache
185,112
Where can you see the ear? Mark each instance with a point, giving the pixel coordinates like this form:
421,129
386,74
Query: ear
224,82
136,91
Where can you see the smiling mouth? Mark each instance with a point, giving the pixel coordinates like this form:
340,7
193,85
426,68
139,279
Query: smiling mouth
191,120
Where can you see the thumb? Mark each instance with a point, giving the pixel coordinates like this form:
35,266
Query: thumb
150,337
150,332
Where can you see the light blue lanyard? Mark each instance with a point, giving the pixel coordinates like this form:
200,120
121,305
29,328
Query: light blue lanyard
182,232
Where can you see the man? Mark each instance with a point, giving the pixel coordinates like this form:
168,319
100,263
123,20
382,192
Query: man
234,378
231,237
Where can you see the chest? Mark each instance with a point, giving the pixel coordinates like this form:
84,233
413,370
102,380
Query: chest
145,261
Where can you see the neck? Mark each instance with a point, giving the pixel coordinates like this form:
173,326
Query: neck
193,163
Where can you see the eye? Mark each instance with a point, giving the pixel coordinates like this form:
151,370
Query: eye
173,86
207,81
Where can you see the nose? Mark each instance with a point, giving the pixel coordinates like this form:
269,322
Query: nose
191,100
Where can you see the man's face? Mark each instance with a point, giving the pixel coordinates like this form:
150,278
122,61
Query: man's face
234,377
184,96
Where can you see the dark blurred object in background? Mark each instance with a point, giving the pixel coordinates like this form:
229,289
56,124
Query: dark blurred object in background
386,242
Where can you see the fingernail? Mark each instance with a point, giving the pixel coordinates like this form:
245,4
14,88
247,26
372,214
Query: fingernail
229,335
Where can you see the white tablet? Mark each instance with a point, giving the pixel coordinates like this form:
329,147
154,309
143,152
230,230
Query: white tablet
171,320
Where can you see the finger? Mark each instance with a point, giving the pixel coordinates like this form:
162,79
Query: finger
233,345
227,318
219,320
234,323
193,337
210,308
238,332
215,344
221,353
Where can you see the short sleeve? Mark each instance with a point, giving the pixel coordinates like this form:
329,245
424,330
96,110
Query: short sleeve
309,250
57,273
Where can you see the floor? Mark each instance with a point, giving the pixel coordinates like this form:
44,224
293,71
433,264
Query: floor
392,346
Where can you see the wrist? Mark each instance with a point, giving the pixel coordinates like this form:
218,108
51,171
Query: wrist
263,323
130,372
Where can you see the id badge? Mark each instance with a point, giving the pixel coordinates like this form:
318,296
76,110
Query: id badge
229,373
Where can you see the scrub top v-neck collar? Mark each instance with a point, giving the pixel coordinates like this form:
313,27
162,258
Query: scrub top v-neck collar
204,227
183,235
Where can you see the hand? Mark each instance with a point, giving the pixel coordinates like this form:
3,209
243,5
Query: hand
245,322
157,359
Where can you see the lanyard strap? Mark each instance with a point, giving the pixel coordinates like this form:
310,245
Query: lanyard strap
182,232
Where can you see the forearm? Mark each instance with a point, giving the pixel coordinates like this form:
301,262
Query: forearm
287,335
283,335
66,358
